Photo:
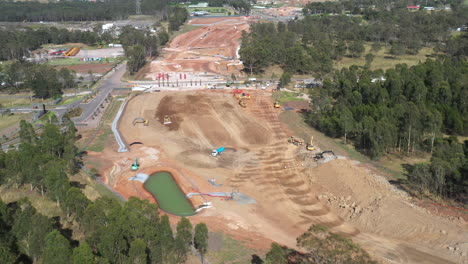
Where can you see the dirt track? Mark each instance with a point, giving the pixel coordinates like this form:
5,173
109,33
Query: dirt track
261,164
210,49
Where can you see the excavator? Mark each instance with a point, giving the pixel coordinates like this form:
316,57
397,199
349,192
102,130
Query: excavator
320,155
310,146
167,120
242,103
276,105
137,120
296,141
135,165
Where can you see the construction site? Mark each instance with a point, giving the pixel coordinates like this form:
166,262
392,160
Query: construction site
202,54
243,172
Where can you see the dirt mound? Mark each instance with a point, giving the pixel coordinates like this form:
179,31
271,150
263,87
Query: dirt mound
212,118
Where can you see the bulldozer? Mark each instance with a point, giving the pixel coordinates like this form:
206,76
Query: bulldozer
310,146
276,104
167,120
242,103
296,141
138,120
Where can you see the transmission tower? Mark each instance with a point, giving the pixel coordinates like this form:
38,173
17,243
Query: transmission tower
138,7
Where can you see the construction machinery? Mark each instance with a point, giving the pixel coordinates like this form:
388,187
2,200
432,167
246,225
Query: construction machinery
167,120
141,120
244,96
72,52
135,165
242,103
310,146
322,154
217,152
296,141
276,105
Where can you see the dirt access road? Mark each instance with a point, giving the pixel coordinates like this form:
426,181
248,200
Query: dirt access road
211,49
260,163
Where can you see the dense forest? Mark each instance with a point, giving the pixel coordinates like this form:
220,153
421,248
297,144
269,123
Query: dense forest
402,110
77,10
109,232
310,45
44,80
17,43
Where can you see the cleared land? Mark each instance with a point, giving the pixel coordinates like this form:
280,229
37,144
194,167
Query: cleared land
384,60
211,49
291,193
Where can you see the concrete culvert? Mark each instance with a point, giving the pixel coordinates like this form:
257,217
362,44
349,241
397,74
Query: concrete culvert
136,143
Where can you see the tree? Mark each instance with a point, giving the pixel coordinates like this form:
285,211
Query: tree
276,255
369,59
136,58
137,252
83,254
57,249
200,239
356,48
285,78
183,239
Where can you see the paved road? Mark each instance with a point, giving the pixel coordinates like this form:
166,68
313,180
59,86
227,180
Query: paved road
109,82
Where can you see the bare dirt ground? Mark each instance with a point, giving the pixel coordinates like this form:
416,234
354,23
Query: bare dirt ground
259,162
211,49
287,11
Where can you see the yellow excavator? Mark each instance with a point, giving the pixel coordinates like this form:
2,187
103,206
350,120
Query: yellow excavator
137,120
310,146
242,103
167,120
277,105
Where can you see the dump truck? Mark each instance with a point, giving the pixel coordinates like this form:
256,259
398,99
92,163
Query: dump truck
296,141
217,152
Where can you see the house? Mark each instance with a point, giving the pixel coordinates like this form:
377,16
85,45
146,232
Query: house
429,8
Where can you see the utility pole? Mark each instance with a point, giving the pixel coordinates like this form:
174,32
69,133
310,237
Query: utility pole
138,7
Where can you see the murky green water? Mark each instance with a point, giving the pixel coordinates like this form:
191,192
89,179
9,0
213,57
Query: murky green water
168,194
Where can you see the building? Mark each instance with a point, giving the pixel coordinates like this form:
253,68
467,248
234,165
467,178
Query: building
413,8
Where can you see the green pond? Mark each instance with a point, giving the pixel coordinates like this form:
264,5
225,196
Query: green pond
168,194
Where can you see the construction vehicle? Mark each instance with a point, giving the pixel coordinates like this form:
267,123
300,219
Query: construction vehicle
167,120
320,155
244,96
296,141
242,103
310,146
138,120
217,152
72,52
277,105
135,165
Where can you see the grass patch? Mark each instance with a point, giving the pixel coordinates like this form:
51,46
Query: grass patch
71,99
383,60
284,96
140,17
182,30
10,120
77,61
225,249
6,102
99,142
